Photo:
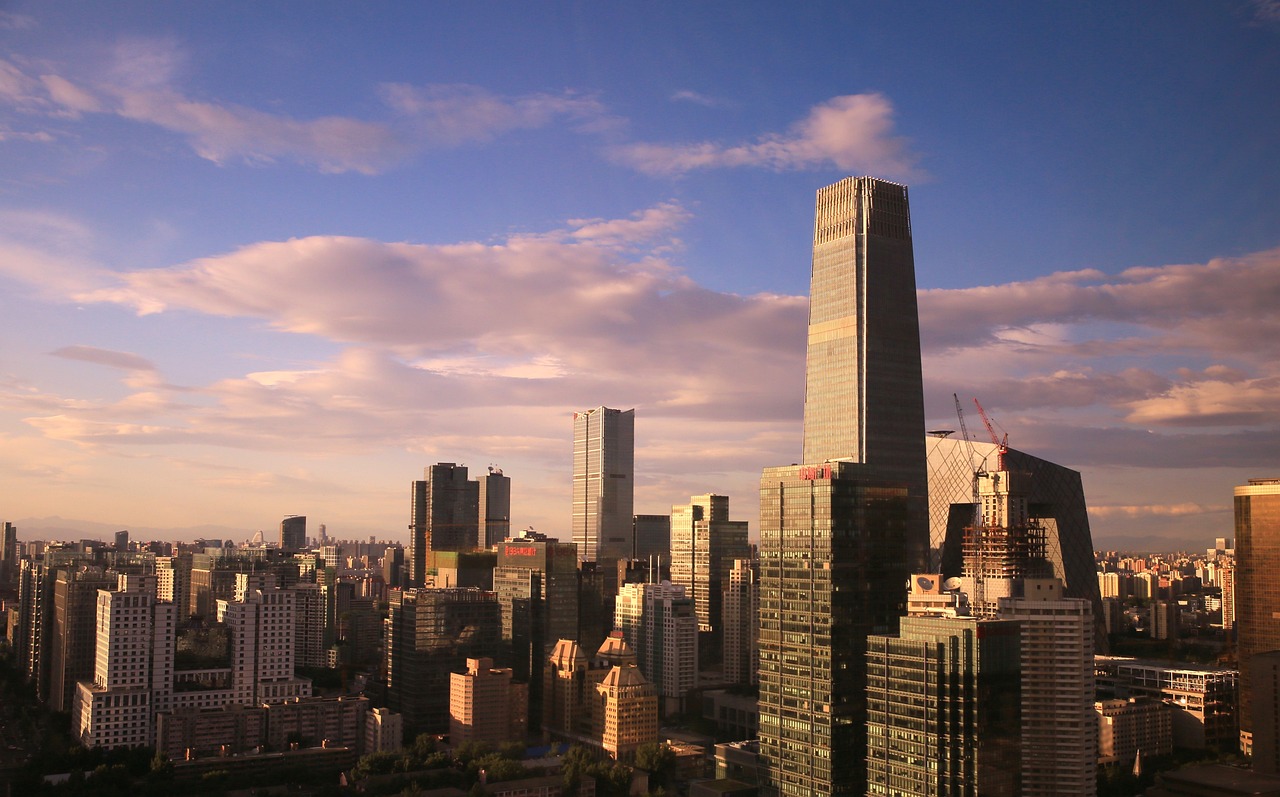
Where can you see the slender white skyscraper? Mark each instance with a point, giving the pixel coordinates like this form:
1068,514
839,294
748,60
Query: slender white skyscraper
603,483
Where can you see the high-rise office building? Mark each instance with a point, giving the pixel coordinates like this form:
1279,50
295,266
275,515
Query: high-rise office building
537,586
1059,724
310,646
72,639
1053,497
444,516
430,633
495,508
293,534
841,532
704,543
652,537
603,483
740,620
8,556
1257,589
864,394
832,572
957,733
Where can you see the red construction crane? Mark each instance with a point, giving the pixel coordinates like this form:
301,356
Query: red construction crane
1002,443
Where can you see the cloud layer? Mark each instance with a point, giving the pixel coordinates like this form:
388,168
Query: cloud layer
854,133
476,351
142,83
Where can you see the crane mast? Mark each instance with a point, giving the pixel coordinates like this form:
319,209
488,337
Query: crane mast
1002,444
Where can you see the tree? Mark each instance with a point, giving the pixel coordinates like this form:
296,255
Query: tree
161,767
659,760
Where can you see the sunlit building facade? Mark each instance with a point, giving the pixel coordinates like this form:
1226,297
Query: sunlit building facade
1059,725
832,571
1054,502
864,394
603,483
942,708
1257,590
841,532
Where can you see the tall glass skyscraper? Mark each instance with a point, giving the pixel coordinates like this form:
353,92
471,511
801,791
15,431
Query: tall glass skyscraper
1257,514
603,483
444,516
864,395
841,533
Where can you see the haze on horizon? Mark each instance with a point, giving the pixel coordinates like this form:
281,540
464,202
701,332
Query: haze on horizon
267,260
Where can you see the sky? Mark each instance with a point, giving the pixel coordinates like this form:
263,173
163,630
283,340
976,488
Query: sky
260,259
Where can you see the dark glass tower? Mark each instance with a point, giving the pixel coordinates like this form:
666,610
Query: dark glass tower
444,516
841,533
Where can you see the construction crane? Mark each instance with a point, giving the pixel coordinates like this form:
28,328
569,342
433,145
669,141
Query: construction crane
968,450
1002,443
964,430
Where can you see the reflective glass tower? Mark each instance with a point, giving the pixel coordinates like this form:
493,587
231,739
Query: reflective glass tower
840,533
864,395
1257,515
603,483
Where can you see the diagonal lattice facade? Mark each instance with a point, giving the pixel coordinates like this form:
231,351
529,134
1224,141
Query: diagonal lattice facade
1056,502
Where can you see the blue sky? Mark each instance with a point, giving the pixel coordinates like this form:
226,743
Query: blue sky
260,259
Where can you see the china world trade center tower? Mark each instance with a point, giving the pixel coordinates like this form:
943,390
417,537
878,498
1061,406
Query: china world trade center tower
841,532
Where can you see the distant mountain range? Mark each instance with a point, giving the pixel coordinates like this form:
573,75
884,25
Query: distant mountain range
58,528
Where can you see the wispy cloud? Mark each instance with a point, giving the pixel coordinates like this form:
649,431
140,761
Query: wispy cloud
143,83
451,115
12,21
112,359
854,133
1266,11
697,98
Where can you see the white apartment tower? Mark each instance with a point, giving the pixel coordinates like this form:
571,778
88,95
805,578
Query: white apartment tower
741,611
1059,724
261,627
133,667
659,623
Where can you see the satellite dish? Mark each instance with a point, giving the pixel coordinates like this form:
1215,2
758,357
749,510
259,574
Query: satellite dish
924,582
952,584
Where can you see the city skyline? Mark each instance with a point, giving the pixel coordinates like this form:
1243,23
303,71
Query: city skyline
265,261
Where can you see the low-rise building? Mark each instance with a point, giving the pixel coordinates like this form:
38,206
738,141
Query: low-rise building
1203,699
1129,727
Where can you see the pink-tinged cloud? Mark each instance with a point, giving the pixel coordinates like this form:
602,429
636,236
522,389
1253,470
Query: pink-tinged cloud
223,132
579,316
1226,306
142,83
853,133
1155,510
